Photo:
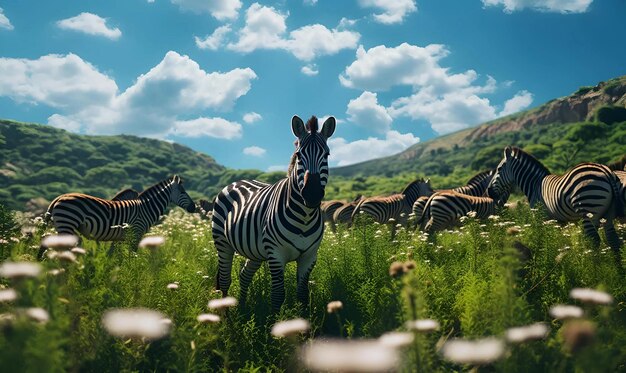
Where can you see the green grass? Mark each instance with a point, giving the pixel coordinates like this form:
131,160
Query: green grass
471,280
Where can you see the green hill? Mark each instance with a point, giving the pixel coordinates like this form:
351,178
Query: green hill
39,162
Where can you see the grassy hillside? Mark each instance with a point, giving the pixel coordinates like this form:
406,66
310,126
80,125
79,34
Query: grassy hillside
39,162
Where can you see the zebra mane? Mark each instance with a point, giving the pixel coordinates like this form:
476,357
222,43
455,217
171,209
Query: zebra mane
292,162
480,177
162,183
312,124
412,184
518,153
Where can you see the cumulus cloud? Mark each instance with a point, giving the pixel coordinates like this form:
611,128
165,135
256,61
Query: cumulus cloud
4,21
215,40
366,112
392,11
310,70
278,167
309,2
449,101
266,28
89,101
556,6
254,151
344,153
252,117
219,9
91,24
519,102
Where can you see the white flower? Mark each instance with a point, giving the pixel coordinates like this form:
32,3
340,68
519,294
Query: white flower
396,339
79,251
152,242
19,269
208,317
172,286
56,272
38,314
218,304
471,214
60,241
527,333
564,311
481,351
290,327
587,295
334,306
423,326
135,322
63,256
350,356
7,295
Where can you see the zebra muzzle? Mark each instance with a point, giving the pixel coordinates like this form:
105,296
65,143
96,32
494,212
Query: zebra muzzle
312,192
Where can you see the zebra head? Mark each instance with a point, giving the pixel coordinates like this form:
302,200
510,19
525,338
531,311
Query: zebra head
179,196
502,181
310,160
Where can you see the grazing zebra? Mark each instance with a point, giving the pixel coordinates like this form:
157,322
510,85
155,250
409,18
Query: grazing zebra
343,215
395,206
589,191
277,223
125,195
104,220
205,208
445,207
328,210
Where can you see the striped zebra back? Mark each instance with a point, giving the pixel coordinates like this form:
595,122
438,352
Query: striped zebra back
444,208
329,208
477,185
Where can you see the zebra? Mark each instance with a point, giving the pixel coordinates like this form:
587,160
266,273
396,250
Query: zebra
328,210
445,207
205,208
125,194
396,206
343,215
590,191
476,186
106,220
279,222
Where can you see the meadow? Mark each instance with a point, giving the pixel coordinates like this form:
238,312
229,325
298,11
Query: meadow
476,281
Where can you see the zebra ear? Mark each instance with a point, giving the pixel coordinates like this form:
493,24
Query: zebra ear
176,179
297,126
508,152
328,128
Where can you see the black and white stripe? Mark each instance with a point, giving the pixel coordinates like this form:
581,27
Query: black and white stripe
277,223
104,220
588,191
444,208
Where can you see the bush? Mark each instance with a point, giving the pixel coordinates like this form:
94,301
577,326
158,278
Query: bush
611,114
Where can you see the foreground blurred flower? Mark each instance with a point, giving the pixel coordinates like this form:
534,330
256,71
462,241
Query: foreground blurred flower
38,314
423,326
7,295
19,269
152,242
396,339
409,265
60,242
578,334
63,256
592,296
564,311
349,356
334,306
135,322
79,251
396,269
290,327
208,317
527,333
172,286
218,304
478,352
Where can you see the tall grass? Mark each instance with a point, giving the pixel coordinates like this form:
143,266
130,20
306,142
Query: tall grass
477,281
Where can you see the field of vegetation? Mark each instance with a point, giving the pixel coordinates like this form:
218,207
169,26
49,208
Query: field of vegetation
476,282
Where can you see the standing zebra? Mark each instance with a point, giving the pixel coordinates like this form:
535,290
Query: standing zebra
589,191
125,194
277,223
445,207
103,220
395,206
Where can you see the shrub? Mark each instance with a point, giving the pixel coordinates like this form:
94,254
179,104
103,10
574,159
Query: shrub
611,114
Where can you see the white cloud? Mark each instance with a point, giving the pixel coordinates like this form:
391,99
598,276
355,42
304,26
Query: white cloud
208,127
254,151
150,107
220,9
278,167
309,2
252,117
215,40
343,153
392,11
265,28
91,24
557,6
4,21
519,102
310,70
366,112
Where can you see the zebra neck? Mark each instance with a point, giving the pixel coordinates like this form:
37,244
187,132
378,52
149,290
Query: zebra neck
530,180
294,201
154,201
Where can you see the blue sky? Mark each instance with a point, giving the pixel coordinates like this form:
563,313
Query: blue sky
225,76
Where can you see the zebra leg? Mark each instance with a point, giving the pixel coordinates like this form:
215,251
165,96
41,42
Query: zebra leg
245,278
305,265
277,271
590,230
223,278
614,242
